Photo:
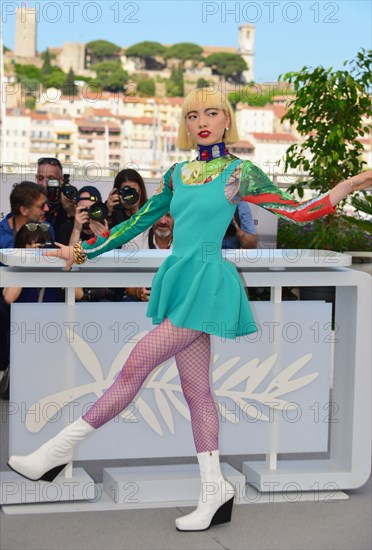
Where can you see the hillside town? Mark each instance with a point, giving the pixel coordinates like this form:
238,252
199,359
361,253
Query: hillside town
95,129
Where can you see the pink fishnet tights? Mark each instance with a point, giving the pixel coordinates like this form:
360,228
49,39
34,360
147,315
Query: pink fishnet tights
191,349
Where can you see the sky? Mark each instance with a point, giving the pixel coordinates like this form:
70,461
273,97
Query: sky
289,34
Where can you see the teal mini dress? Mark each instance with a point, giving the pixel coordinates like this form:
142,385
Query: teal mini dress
195,287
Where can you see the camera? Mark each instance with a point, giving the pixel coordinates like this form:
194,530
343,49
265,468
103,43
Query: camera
97,212
128,195
53,191
48,245
70,191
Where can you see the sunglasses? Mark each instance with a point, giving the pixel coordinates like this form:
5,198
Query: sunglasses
49,160
32,226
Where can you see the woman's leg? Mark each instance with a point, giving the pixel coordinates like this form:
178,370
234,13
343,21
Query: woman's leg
216,494
193,365
157,346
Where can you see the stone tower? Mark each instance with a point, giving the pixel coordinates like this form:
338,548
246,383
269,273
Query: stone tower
25,31
246,49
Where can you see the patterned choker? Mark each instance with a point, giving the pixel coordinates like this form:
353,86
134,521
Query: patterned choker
210,152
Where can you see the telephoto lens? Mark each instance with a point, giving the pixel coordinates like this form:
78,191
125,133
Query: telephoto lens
70,191
98,212
128,195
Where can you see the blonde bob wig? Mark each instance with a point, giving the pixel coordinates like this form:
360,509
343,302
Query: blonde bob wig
205,98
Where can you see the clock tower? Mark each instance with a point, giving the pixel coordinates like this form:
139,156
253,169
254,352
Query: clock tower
246,49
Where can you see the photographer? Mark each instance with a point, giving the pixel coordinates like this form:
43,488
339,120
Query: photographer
90,220
127,197
82,226
28,202
61,195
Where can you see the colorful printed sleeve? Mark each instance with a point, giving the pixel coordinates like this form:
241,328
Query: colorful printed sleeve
257,188
150,212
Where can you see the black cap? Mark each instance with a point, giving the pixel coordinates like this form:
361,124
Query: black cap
95,195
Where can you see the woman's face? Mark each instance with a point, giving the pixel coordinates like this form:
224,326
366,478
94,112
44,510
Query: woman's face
135,186
207,126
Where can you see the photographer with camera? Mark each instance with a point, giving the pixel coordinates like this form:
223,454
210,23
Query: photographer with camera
28,203
127,197
90,220
90,217
61,195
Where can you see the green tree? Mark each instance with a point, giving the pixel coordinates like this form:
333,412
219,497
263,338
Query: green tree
101,50
69,87
229,65
5,49
55,79
30,72
110,75
202,83
329,109
47,66
256,96
147,51
146,87
175,84
184,51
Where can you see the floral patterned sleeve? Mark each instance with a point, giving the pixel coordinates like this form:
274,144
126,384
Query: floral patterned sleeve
151,211
257,188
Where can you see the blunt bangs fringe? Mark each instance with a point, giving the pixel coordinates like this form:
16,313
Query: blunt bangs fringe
205,98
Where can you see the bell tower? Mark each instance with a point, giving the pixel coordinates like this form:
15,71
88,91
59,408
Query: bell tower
246,49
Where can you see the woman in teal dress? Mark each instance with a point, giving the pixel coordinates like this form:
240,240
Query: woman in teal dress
194,293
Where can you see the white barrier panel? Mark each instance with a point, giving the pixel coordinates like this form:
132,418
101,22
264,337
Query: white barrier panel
288,361
269,385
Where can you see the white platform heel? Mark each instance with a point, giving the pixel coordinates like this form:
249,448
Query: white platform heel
53,456
216,497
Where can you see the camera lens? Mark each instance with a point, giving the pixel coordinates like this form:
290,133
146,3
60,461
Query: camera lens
69,191
128,195
98,212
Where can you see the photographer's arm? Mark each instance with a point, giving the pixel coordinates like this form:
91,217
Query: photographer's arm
81,217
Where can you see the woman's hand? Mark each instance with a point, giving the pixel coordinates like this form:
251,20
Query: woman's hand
97,228
113,200
64,252
360,181
81,217
355,183
143,294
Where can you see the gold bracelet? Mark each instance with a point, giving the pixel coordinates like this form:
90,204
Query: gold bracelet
79,255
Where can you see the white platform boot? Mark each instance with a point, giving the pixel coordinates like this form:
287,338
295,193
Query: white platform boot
48,460
216,497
